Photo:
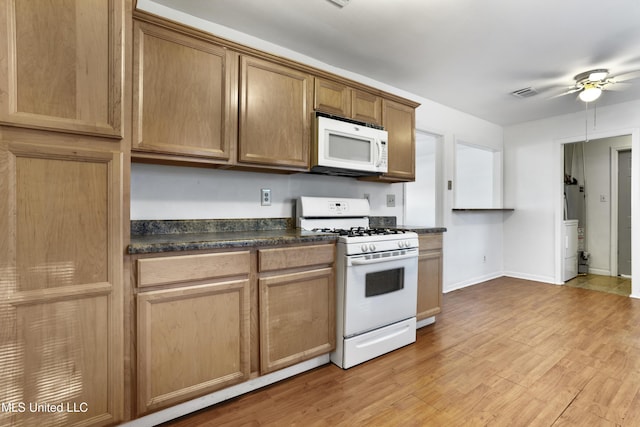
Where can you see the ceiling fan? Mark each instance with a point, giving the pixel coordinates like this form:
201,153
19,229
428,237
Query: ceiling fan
590,84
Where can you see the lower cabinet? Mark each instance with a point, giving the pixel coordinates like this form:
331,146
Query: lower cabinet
192,339
205,320
429,276
297,318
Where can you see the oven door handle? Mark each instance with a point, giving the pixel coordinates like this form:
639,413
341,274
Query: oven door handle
381,259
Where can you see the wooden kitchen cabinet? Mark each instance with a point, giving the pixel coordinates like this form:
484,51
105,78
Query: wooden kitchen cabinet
61,279
275,115
339,99
184,96
399,120
193,337
366,107
296,304
429,275
62,65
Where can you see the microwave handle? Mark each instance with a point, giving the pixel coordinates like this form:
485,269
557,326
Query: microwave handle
379,156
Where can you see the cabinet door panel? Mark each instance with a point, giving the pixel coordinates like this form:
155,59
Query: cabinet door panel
64,65
399,121
366,107
184,94
61,281
191,341
331,97
297,317
275,114
429,284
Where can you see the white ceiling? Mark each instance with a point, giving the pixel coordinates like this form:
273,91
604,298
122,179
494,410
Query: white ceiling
465,54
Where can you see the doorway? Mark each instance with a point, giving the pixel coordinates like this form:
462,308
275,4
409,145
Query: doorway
423,197
597,191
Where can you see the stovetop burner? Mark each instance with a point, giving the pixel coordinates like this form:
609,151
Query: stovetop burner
360,231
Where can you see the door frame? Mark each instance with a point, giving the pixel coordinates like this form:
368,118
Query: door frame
635,200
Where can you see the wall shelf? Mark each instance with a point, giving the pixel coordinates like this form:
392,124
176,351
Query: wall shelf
482,209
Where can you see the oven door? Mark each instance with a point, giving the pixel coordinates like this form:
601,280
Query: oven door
379,291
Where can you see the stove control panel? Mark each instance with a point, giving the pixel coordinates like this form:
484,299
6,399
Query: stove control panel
338,208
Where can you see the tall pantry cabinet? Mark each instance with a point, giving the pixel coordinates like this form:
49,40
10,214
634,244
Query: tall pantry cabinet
63,157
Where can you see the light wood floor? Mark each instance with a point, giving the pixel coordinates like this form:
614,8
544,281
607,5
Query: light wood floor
507,352
612,284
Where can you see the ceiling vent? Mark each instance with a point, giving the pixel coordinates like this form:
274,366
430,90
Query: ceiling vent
340,3
524,93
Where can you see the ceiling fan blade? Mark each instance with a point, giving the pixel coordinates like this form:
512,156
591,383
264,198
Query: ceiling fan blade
616,86
567,92
626,76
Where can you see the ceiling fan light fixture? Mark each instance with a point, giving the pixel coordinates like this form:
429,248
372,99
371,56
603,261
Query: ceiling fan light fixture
590,93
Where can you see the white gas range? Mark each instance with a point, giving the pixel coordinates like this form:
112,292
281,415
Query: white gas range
376,278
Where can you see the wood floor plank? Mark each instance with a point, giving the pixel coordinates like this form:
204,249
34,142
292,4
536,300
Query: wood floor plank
508,352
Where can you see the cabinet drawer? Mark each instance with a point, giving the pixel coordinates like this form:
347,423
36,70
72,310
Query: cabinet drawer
430,242
281,258
166,270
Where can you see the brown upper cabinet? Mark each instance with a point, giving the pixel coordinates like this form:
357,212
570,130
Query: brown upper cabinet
339,99
62,66
184,96
275,114
200,99
399,120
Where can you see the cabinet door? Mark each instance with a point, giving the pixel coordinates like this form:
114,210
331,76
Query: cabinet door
297,317
184,95
366,107
275,115
331,97
429,275
399,121
61,283
191,341
62,65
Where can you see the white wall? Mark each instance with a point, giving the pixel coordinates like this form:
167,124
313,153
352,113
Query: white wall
533,186
173,192
164,192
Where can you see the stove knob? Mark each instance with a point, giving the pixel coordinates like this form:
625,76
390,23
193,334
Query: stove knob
400,243
372,247
363,248
407,244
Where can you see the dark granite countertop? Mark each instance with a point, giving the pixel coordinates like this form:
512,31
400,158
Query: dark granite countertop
154,243
154,236
420,229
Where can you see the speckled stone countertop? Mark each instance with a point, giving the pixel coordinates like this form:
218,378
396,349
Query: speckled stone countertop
156,236
390,222
420,230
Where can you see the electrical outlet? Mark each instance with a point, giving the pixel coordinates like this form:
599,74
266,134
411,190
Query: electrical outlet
265,197
391,200
484,258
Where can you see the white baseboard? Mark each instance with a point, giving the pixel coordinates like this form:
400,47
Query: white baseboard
471,282
599,271
225,394
533,277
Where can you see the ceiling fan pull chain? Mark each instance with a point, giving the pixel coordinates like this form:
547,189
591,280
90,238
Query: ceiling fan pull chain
586,124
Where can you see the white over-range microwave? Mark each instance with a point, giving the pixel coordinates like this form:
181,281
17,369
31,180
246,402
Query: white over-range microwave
348,148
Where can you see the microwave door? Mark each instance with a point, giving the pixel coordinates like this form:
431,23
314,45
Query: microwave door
349,152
